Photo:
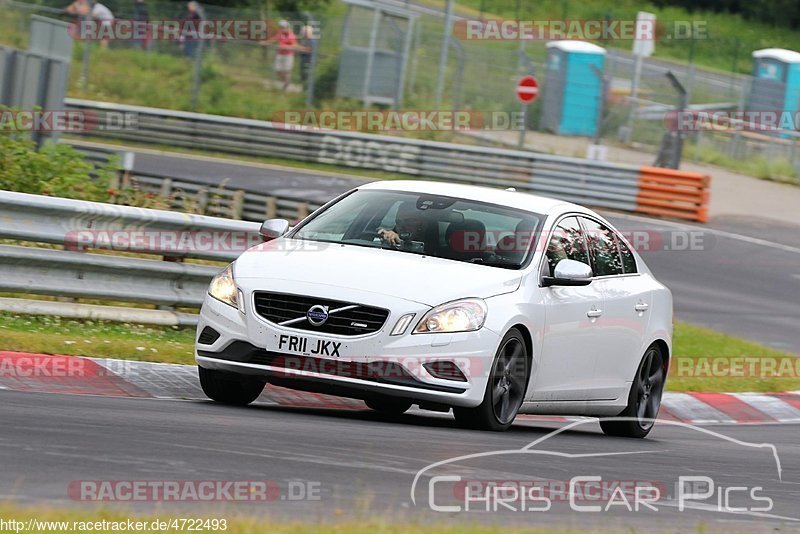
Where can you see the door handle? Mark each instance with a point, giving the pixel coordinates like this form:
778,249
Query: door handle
594,313
641,307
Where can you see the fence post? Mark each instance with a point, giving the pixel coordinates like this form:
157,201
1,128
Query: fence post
166,187
113,188
271,210
237,204
202,201
302,211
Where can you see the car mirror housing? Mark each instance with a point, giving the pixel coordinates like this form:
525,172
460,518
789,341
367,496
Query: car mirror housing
273,229
569,273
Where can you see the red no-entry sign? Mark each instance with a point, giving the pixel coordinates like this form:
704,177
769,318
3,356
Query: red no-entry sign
527,89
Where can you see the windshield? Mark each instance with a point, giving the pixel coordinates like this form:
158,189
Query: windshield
444,227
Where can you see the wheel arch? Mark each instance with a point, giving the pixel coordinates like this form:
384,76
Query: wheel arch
664,347
528,339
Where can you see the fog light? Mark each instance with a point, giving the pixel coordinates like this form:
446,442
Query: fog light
445,369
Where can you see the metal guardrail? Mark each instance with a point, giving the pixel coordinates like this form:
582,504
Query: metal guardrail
60,221
574,179
578,180
182,194
64,273
141,275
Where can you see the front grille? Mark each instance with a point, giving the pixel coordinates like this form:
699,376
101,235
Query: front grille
354,320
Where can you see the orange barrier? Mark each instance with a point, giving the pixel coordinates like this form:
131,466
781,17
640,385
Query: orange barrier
671,193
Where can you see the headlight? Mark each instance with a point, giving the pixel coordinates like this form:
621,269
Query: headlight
458,316
223,288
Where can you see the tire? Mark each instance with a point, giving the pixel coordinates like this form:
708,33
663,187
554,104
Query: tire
505,388
644,398
230,388
388,405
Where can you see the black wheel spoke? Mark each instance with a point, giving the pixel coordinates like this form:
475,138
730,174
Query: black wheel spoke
641,409
651,379
498,390
505,406
517,384
513,358
657,378
645,374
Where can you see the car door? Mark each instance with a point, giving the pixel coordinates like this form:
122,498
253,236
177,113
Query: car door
626,300
566,366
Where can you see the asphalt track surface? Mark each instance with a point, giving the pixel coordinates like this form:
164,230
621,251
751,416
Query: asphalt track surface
361,464
741,277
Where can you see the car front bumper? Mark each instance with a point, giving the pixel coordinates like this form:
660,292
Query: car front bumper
370,365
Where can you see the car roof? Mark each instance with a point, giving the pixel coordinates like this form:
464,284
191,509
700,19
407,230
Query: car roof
512,199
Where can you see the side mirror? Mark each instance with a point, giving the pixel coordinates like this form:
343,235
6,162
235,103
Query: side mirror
273,229
569,273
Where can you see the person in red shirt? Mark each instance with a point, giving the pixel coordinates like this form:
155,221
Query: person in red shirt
284,58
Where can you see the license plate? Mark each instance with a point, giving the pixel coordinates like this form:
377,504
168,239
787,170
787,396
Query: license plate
306,345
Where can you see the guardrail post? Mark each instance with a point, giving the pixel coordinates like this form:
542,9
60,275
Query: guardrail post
237,204
302,211
201,201
166,187
271,210
113,188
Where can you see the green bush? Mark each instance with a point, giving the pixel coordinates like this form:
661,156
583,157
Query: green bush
56,170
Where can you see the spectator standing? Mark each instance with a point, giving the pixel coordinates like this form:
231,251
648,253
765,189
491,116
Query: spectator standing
191,19
97,12
284,58
306,49
141,13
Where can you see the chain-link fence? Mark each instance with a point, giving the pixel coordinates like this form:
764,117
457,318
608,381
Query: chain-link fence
237,77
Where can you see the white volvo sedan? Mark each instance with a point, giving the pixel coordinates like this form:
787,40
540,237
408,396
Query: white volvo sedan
487,302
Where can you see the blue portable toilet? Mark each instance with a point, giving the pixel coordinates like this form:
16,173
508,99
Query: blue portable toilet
573,91
776,83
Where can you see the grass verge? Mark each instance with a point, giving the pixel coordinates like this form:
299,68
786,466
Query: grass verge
54,335
696,348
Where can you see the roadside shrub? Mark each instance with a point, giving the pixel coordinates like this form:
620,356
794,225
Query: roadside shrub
56,170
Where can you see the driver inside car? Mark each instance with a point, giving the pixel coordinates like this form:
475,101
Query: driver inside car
409,225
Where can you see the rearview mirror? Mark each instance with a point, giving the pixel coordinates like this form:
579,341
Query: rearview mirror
273,229
569,273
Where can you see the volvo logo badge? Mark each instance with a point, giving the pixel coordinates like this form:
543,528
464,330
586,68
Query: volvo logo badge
317,314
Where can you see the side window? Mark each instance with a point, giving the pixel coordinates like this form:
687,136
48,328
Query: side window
628,261
566,243
603,248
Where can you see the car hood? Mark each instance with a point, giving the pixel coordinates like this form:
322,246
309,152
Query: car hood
422,279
